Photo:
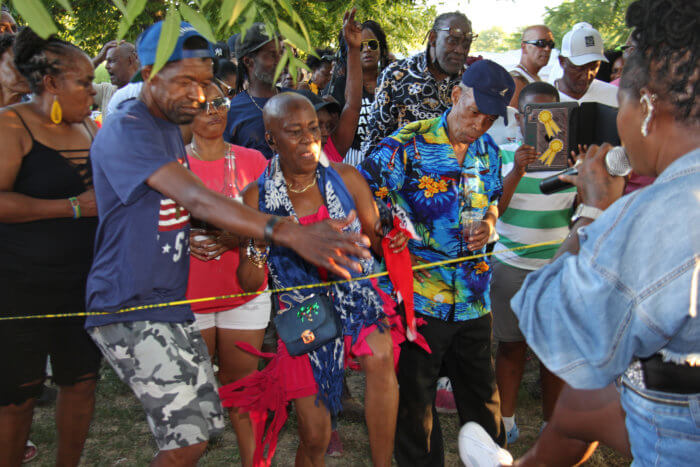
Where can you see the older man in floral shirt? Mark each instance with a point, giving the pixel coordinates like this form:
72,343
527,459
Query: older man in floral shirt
437,170
419,87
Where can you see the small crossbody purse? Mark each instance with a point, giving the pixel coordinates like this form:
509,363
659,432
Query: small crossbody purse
308,325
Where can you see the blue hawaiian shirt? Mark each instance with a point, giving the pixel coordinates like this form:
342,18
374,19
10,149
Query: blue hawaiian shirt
415,169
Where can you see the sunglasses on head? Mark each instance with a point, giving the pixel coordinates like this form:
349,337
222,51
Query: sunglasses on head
372,44
218,104
455,35
228,90
541,43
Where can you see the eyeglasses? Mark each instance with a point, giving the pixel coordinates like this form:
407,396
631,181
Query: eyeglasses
373,44
228,90
218,104
541,43
457,36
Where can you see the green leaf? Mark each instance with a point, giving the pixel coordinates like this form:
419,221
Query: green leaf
240,6
66,5
120,5
123,28
167,40
36,15
197,19
293,36
204,3
230,11
134,9
287,7
248,21
282,63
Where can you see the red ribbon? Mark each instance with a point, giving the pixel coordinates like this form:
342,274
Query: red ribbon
398,265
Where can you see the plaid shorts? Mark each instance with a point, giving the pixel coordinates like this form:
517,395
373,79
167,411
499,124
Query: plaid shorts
168,368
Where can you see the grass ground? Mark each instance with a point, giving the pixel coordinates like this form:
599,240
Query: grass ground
119,434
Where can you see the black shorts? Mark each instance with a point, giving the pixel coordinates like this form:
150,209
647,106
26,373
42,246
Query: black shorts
24,346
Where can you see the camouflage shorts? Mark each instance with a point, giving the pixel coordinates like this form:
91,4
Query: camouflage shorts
168,368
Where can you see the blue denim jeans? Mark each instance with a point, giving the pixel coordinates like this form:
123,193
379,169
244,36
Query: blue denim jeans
664,431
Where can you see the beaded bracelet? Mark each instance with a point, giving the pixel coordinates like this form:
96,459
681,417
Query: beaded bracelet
75,205
255,256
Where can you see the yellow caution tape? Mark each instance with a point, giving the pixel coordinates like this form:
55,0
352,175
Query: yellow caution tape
286,289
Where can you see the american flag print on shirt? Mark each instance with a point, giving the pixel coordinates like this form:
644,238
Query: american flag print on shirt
171,216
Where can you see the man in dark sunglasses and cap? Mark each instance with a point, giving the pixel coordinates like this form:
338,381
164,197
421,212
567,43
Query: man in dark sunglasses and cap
536,46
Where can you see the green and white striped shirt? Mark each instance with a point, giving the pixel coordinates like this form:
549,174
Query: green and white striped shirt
532,217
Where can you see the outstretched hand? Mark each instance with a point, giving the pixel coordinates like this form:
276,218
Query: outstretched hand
595,185
324,244
351,30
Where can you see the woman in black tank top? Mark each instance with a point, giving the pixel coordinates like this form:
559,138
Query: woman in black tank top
47,228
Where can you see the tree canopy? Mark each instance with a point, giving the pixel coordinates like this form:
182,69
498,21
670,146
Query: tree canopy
607,16
91,23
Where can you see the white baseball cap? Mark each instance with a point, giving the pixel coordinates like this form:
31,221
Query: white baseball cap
582,45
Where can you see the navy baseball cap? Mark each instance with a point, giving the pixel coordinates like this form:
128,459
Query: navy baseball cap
147,44
493,87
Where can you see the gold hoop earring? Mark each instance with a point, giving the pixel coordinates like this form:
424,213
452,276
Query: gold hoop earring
56,111
649,102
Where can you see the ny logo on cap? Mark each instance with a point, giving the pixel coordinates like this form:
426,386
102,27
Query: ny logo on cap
590,41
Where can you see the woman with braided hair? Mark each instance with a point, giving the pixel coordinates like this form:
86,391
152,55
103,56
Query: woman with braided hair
615,314
47,231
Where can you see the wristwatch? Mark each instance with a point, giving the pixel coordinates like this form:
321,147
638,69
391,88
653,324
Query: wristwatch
586,211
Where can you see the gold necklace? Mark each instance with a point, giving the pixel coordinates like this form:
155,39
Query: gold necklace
195,152
306,188
253,100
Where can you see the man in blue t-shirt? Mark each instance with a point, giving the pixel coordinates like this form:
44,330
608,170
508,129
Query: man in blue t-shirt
144,197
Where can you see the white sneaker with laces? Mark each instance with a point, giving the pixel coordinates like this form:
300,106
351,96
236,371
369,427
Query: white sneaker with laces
477,449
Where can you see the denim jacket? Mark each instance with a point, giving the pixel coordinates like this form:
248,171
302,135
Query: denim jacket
630,292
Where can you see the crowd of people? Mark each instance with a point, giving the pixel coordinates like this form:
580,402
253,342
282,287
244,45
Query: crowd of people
170,223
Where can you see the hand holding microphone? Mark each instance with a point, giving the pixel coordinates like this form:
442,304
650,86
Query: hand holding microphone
598,175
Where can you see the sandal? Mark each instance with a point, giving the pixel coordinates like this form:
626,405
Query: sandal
30,452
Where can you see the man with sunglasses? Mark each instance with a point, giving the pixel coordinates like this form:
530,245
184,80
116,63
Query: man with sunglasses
536,47
580,57
419,87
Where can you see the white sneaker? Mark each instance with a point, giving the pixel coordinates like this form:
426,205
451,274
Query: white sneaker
477,449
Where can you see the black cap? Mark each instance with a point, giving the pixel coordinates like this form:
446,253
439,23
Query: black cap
221,50
255,37
318,102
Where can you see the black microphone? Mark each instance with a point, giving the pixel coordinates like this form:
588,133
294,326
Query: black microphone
616,163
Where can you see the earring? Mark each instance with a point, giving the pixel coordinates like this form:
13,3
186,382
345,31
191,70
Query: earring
649,102
56,111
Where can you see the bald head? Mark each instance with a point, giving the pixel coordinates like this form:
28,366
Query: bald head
292,131
536,47
535,32
282,106
122,63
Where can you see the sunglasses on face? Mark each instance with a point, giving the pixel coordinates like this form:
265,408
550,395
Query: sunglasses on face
458,36
372,44
541,43
218,104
